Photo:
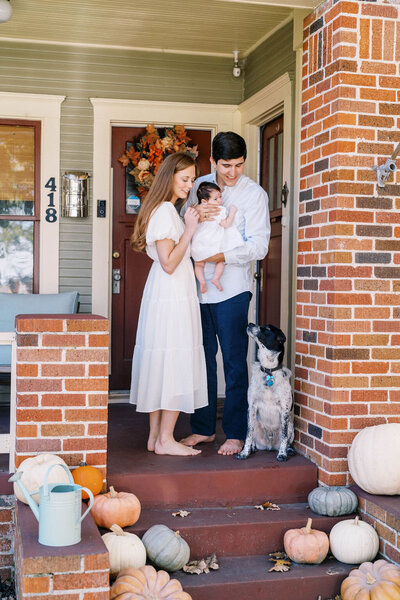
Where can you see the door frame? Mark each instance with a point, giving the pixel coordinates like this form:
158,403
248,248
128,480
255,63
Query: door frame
110,113
270,102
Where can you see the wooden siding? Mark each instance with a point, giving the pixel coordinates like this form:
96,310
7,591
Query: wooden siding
81,73
270,60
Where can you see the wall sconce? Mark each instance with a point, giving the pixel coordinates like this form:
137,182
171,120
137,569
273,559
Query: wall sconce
75,194
236,67
5,10
389,167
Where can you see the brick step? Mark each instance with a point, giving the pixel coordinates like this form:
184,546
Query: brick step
236,530
205,480
247,578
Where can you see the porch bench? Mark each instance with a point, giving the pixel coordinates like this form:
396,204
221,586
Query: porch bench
12,305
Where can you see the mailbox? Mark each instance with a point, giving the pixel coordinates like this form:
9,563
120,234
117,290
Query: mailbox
75,194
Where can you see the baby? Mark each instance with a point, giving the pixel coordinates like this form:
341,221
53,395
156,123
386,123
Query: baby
212,237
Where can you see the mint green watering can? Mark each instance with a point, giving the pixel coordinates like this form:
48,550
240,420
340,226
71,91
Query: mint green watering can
59,510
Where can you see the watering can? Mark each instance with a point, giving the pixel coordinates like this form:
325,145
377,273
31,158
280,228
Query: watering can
59,510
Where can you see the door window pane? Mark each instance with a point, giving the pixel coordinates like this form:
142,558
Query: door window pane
271,179
279,151
16,256
17,160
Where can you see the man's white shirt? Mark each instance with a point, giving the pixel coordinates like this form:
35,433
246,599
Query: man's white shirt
252,220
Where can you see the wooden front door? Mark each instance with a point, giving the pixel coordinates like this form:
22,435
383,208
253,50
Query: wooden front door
269,298
132,267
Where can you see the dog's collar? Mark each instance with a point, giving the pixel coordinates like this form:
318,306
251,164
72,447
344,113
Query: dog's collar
269,378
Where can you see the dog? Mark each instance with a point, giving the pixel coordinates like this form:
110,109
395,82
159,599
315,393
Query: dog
270,398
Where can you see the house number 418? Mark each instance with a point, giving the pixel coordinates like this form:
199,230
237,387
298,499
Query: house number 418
51,212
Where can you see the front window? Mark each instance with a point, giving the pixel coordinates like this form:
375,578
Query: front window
19,205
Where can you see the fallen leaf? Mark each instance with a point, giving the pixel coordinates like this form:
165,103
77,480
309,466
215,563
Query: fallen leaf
196,567
267,506
279,561
181,513
278,566
259,506
277,555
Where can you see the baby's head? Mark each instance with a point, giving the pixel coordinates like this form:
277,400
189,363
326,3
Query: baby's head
209,193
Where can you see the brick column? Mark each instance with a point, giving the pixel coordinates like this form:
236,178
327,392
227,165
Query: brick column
62,387
348,315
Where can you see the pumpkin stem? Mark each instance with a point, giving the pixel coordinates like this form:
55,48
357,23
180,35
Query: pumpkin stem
117,530
83,464
370,579
308,526
113,493
356,520
176,533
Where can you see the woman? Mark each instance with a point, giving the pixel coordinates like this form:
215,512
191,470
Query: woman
168,368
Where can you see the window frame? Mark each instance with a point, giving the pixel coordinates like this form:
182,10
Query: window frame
37,127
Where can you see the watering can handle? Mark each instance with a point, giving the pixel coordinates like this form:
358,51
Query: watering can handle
91,501
45,483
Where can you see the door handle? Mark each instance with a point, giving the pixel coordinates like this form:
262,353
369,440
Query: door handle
285,194
116,278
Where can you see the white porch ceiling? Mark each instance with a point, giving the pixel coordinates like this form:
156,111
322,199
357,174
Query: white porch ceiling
189,26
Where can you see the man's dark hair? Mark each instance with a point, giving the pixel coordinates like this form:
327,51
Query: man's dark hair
228,145
205,188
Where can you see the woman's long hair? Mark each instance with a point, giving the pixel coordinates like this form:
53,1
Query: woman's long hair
161,190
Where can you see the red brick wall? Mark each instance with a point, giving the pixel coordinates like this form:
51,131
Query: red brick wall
348,315
62,387
387,526
6,536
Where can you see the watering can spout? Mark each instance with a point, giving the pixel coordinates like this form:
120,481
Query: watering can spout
16,478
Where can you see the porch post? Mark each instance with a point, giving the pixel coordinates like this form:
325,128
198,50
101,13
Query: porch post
348,315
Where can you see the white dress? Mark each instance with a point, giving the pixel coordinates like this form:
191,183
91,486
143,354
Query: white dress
211,238
168,367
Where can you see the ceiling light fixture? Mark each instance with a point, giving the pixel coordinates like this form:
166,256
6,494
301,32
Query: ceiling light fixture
236,69
5,10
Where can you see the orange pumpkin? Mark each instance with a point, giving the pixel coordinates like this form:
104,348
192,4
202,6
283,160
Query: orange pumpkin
379,580
121,508
306,545
90,477
146,584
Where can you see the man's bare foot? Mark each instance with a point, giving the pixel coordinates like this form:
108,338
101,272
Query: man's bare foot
230,447
195,438
174,448
217,284
203,287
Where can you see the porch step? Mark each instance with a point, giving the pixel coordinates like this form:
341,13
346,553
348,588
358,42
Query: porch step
227,531
248,578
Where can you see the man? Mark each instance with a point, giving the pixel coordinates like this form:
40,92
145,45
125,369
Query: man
224,315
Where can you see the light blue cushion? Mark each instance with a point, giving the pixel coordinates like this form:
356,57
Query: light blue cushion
12,305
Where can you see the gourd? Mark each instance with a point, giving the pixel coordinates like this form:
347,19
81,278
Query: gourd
146,584
379,580
166,548
89,477
332,501
306,545
125,550
354,541
121,508
374,459
34,470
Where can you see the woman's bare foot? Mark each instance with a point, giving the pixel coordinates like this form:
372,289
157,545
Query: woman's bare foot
217,284
174,448
230,447
195,438
151,443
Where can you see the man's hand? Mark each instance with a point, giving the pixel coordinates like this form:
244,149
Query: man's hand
220,257
207,213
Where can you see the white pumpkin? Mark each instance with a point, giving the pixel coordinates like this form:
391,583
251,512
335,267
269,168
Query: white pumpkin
34,470
126,550
353,541
374,459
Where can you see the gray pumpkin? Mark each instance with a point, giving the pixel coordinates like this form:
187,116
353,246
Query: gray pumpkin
332,501
165,548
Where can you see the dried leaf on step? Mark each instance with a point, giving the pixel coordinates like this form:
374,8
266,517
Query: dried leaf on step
196,567
277,555
267,506
281,566
181,513
280,561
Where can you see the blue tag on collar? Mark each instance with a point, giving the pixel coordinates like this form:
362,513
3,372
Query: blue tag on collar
269,380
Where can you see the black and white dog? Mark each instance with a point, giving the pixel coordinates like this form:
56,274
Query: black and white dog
270,412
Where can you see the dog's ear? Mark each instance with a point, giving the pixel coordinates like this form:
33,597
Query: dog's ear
281,337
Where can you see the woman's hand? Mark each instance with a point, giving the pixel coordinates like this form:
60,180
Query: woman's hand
191,219
207,212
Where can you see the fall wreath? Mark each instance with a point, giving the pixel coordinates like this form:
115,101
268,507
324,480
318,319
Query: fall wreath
144,155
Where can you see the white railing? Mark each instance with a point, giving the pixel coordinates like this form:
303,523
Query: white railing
7,440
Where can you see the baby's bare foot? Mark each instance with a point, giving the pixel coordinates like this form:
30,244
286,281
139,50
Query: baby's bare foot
203,287
195,438
217,284
174,448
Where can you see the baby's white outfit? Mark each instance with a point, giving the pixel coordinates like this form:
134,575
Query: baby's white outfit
211,238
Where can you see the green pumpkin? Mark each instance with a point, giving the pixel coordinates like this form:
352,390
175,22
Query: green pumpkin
332,501
165,548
